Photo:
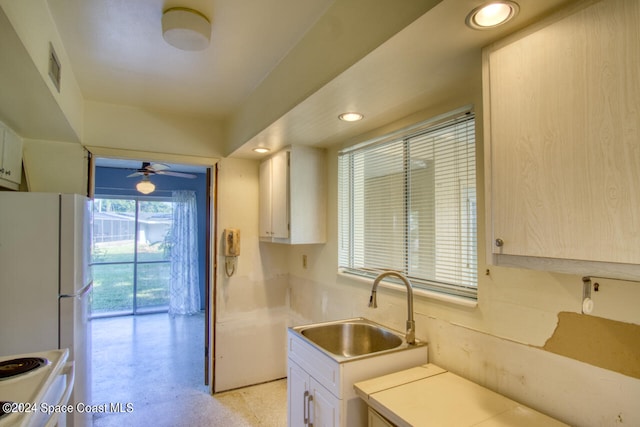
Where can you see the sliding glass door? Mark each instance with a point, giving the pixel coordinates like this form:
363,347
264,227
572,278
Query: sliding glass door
130,255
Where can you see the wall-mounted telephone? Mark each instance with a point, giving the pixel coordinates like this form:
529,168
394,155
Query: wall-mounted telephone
231,243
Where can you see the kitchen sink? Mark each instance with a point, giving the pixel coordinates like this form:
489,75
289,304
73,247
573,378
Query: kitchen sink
353,338
326,359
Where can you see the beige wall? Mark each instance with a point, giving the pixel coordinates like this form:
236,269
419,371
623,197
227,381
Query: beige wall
55,167
518,311
34,25
520,305
251,311
129,128
508,342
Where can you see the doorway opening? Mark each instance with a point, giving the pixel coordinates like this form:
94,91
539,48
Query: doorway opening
143,245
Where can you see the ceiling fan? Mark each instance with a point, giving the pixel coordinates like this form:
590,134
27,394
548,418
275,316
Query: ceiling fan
160,169
145,186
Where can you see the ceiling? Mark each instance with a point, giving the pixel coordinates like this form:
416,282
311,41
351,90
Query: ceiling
118,54
119,57
134,165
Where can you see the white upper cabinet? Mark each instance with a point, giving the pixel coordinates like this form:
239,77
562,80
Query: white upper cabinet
10,158
274,213
293,196
562,143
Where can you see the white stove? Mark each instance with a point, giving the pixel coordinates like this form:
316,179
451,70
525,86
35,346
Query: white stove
38,396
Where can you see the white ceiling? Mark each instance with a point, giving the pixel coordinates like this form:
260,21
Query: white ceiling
118,56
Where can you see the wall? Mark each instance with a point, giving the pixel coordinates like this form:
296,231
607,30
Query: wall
348,30
130,128
34,25
252,305
54,167
504,343
501,343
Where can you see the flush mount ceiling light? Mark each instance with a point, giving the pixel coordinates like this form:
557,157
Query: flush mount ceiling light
186,29
261,150
145,186
492,14
350,117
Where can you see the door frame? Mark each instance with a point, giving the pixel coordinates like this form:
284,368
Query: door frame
211,163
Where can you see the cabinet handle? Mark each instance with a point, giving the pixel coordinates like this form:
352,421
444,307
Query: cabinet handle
499,242
309,409
305,408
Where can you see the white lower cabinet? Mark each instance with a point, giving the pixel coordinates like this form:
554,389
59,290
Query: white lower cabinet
431,396
298,385
320,388
324,407
377,420
309,402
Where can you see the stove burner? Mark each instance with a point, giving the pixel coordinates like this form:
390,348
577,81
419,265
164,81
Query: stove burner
11,368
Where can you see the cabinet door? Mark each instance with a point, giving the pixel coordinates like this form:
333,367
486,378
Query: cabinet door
12,157
563,135
325,407
297,394
264,199
2,132
376,420
280,195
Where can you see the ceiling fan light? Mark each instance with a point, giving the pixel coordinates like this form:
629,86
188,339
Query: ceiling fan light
186,29
145,186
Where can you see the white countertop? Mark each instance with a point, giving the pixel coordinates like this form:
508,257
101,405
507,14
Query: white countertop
431,396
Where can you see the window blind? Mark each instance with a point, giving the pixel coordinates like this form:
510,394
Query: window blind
407,202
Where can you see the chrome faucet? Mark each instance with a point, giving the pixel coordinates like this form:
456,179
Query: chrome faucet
411,324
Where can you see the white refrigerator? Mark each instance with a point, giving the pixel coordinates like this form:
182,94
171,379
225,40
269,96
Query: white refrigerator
45,281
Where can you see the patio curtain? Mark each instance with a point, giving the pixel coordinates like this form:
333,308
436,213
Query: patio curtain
184,286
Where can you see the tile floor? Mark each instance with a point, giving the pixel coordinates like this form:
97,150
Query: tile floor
155,362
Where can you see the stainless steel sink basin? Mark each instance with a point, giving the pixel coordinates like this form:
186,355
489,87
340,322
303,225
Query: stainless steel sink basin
352,338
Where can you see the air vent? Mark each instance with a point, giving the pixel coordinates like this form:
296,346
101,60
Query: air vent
54,67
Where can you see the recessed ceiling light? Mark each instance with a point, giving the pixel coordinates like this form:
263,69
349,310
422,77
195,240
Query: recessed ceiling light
261,150
492,14
350,117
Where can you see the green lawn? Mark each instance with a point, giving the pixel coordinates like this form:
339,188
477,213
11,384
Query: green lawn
113,283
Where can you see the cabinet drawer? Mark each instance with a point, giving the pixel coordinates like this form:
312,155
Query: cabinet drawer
377,420
319,366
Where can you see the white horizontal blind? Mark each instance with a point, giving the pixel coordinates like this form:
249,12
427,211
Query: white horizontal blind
408,203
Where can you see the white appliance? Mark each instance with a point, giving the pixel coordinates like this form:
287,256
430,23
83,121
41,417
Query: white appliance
45,281
33,387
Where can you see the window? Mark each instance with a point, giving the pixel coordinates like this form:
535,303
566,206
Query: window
130,255
407,202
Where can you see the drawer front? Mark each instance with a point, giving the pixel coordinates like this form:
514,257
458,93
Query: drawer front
377,420
325,370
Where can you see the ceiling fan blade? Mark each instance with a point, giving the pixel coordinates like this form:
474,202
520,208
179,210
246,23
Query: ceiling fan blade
177,174
158,167
135,174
